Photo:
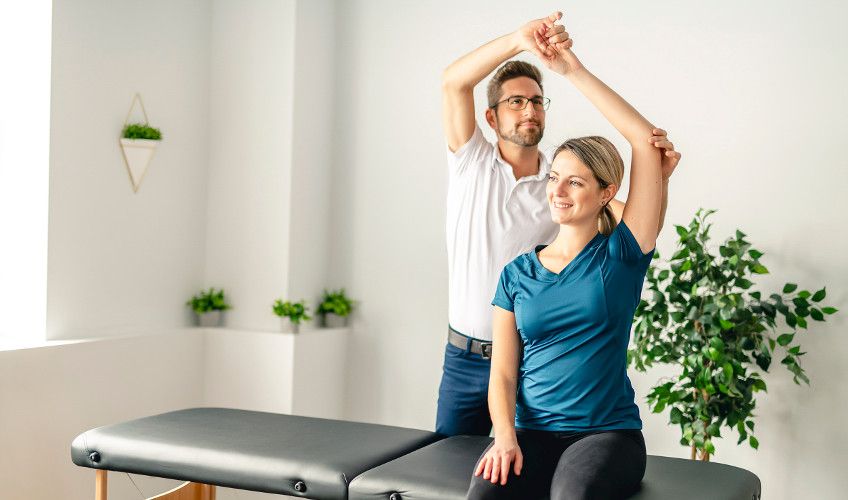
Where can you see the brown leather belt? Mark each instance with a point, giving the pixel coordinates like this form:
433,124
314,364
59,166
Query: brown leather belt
477,346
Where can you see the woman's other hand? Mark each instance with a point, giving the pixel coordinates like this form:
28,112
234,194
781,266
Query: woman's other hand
495,464
670,157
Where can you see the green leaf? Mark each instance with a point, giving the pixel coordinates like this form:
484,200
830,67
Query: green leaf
676,416
740,235
829,310
753,442
728,371
756,254
759,269
785,339
709,447
743,283
816,314
791,320
818,296
681,231
804,294
725,325
789,287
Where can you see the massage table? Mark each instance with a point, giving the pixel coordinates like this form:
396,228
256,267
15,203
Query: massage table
332,459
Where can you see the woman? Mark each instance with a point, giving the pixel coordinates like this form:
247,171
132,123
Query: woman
568,426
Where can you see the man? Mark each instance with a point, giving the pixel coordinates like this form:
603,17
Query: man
497,207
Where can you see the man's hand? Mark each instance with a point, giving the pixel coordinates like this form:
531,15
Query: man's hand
670,157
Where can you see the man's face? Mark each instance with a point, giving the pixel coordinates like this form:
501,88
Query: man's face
523,127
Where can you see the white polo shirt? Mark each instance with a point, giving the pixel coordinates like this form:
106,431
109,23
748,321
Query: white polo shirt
491,219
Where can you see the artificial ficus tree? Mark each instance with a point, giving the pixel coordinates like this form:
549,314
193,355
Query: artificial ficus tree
700,313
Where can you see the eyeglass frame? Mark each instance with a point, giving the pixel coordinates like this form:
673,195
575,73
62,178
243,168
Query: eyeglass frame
546,102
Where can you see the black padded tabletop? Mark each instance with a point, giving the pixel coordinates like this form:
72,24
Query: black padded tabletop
247,450
442,471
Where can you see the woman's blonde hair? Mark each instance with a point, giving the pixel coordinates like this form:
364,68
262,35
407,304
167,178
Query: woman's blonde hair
602,158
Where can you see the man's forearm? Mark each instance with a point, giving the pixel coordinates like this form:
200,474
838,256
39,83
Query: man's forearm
467,71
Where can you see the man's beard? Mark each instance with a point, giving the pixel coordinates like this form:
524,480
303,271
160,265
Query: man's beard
524,137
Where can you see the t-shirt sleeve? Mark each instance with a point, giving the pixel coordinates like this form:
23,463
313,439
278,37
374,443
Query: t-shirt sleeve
503,294
624,247
469,154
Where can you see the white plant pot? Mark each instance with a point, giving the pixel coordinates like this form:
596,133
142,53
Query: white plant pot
335,321
210,319
137,155
287,326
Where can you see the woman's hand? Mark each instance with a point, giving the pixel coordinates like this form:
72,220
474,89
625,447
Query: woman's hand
527,36
670,157
496,462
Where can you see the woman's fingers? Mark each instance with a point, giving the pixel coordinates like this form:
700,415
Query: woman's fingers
480,466
519,463
504,468
663,143
496,469
558,38
659,131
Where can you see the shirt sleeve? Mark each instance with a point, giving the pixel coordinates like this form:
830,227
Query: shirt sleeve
503,294
469,154
624,247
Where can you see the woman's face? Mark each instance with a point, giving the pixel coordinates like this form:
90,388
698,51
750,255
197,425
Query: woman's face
574,195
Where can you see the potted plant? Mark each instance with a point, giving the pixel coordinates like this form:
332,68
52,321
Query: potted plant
703,316
335,308
291,314
209,306
138,143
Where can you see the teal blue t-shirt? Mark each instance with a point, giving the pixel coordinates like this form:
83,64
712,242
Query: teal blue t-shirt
575,327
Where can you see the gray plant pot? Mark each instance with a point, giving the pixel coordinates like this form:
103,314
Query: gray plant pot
286,326
335,321
211,319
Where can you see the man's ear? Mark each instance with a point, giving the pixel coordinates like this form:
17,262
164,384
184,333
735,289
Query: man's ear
491,119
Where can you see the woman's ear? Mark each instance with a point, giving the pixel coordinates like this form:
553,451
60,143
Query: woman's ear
609,193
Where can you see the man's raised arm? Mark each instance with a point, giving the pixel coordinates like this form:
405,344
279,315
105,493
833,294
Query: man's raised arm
460,78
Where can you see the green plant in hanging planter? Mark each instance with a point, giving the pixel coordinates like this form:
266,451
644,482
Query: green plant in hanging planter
141,131
701,314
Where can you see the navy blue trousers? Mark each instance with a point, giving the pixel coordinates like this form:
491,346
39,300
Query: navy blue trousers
463,406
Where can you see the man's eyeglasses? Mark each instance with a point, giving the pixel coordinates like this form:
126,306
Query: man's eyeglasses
519,102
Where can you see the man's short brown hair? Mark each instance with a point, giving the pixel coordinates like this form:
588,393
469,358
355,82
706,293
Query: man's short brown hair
510,70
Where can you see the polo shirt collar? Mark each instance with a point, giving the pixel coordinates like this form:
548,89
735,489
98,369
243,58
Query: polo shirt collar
544,166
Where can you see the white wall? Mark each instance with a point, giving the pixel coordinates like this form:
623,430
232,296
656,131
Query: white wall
750,92
119,260
313,105
49,395
247,217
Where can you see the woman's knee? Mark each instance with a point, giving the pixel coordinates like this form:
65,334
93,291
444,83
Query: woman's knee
482,489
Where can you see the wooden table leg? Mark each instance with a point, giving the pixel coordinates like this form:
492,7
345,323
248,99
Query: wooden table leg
101,491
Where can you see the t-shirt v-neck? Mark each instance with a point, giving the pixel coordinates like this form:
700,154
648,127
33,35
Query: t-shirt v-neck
546,273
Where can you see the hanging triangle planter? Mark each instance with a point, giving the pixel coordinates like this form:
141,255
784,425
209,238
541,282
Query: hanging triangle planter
138,152
137,155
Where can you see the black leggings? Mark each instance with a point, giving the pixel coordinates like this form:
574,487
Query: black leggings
569,466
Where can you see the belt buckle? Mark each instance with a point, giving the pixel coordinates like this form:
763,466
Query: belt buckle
486,350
